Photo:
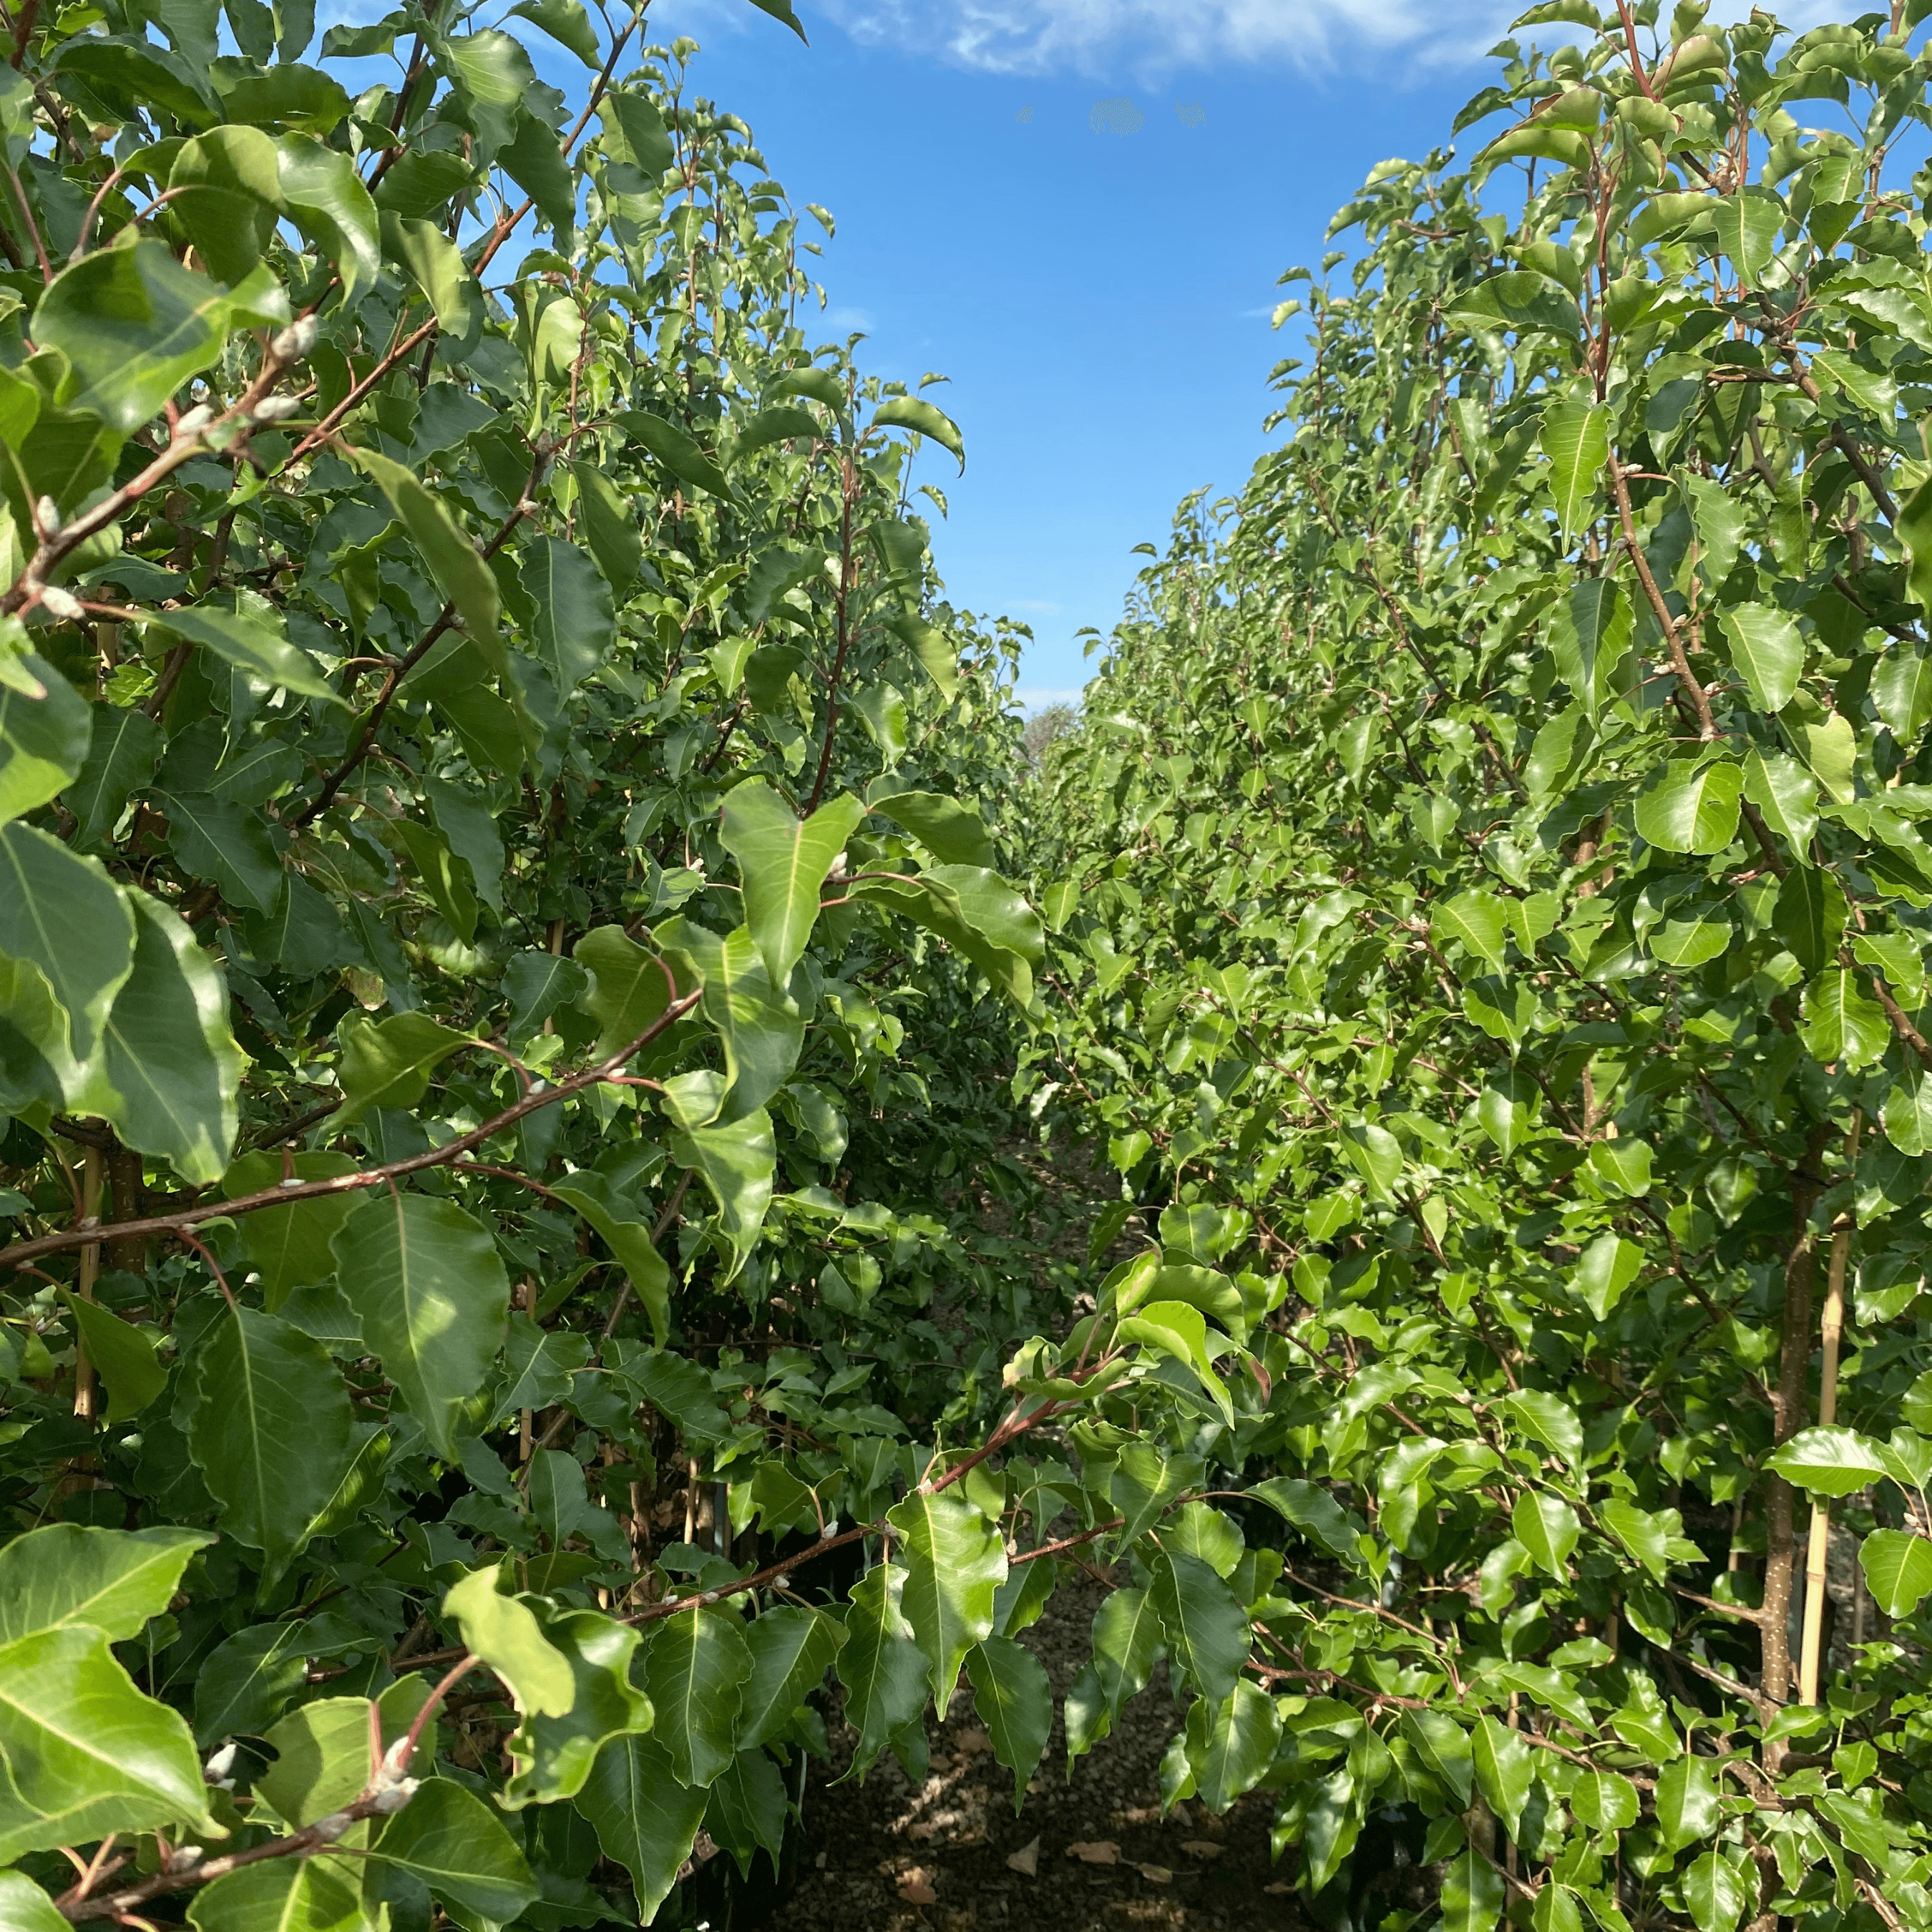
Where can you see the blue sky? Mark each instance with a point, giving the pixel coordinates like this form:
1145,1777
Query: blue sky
1101,300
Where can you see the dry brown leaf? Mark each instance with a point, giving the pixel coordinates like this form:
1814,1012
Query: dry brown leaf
1102,1852
916,1888
1025,1861
1202,1848
967,1743
1278,1889
1155,1874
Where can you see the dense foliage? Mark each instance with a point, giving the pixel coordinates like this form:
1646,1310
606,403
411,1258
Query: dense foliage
1494,919
476,1189
512,1008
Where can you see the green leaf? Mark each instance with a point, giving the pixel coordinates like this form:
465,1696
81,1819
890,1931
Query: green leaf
63,1574
289,1247
1477,920
505,1632
644,1819
952,831
272,1431
909,412
1444,1746
450,1841
567,22
247,1679
1314,1512
172,1070
388,1063
252,640
629,1238
532,159
1505,1769
1473,1896
427,1281
575,626
135,326
435,265
1206,1630
1589,635
1521,300
1014,1702
460,572
630,986
635,131
938,655
24,1907
1832,751
1787,795
1842,1022
783,860
1809,916
1231,1745
43,741
1691,807
63,915
1688,1805
737,1162
1128,1639
781,10
1721,524
1901,688
1547,1527
695,1668
1605,1271
325,198
955,1561
120,759
1575,437
1914,531
124,1358
1603,1802
792,1647
749,1809
885,1674
1378,1154
1897,1567
279,1895
783,424
553,1752
87,1754
977,911
229,844
677,452
322,1759
1768,651
1716,1892
1747,221
607,525
1829,1462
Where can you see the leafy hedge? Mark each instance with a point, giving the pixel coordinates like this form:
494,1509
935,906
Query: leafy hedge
1495,913
512,1006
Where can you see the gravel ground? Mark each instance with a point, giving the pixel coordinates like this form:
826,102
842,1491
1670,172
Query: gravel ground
950,1856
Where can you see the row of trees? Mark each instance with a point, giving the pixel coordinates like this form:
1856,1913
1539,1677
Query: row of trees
512,992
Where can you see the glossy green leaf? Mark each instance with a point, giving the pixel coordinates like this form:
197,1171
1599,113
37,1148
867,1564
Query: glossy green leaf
426,1280
1576,438
122,1357
460,572
885,1675
575,627
43,741
1691,807
1897,1568
87,1753
253,641
644,1819
272,1429
1505,1769
1207,1634
388,1063
695,1670
279,1895
955,1560
63,1574
450,1840
1829,1462
62,914
1014,1702
783,860
1768,651
135,325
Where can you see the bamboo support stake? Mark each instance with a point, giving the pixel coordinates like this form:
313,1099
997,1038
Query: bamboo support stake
1832,1330
85,1387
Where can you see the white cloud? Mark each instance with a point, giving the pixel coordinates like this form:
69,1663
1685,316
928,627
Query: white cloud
1150,37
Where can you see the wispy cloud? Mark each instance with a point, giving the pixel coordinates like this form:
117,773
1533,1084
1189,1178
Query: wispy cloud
1151,37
